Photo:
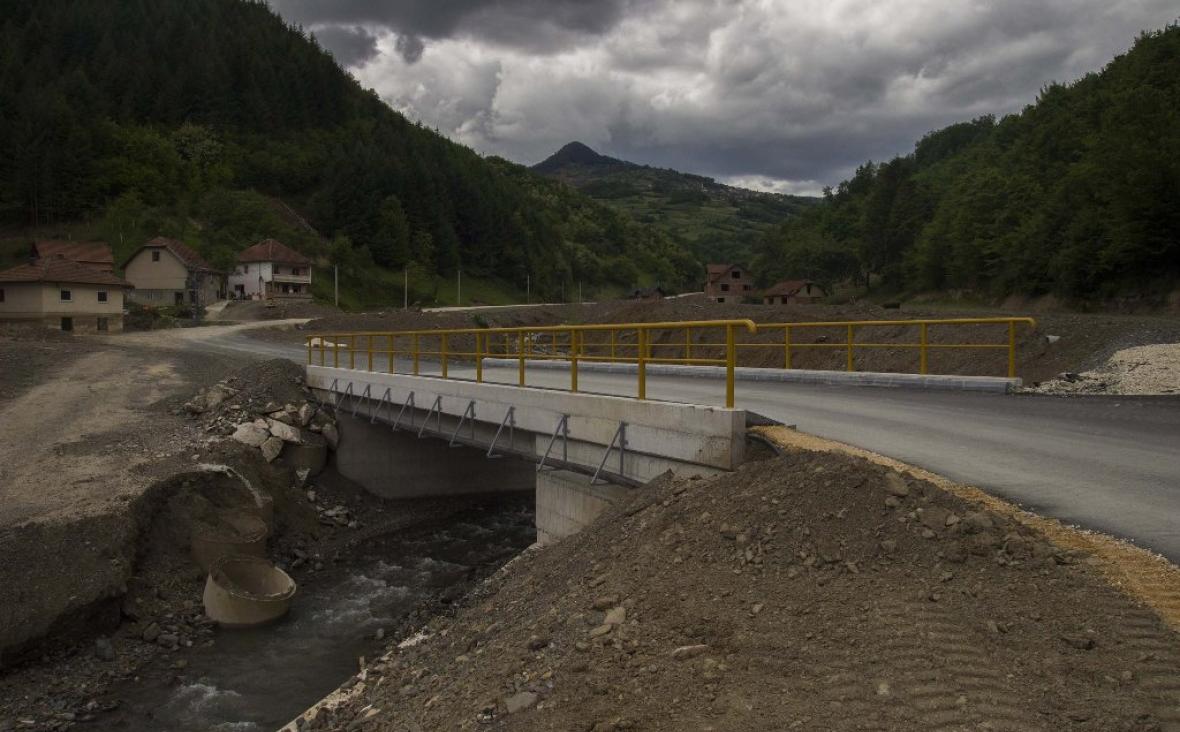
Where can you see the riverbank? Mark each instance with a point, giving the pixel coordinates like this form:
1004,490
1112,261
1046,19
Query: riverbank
811,590
138,445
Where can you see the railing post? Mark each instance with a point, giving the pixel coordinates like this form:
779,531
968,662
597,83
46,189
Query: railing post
323,351
417,353
308,339
573,360
391,354
520,355
850,337
612,345
787,347
352,351
922,349
730,359
642,363
370,337
1011,349
442,347
688,344
478,358
335,353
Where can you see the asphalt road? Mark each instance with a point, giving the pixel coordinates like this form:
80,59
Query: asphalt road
1106,463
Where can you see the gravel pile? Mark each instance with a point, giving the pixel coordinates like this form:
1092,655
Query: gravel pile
807,591
1142,370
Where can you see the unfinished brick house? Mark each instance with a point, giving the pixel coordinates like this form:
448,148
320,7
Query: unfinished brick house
728,283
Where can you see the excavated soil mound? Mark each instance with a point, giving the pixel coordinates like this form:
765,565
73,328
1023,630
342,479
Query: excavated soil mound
807,591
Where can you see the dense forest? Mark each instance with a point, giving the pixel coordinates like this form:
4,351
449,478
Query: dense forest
213,121
713,221
1078,196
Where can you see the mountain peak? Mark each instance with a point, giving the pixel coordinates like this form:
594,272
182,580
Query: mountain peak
574,153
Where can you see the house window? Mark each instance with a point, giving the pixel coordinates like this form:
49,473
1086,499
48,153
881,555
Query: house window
737,275
67,323
102,324
155,255
724,288
745,287
1,294
66,296
102,295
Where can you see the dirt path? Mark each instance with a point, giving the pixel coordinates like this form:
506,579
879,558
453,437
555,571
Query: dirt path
84,428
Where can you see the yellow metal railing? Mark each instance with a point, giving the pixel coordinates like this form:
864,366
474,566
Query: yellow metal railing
603,343
692,343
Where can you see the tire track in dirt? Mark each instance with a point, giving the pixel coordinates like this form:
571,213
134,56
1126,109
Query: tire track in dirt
1154,657
968,690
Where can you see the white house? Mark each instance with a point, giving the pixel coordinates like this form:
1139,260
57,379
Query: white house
271,269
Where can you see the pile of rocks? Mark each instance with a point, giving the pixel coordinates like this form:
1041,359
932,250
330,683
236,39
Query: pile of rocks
312,429
267,405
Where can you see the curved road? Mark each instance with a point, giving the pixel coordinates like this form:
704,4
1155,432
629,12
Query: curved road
1105,463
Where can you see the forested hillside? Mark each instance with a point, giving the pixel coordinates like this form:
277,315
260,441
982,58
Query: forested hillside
213,121
712,220
1078,195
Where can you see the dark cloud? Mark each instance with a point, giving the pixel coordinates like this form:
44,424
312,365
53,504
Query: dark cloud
794,92
538,25
410,47
351,46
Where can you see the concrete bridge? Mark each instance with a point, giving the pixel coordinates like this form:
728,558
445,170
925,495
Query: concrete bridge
430,412
404,436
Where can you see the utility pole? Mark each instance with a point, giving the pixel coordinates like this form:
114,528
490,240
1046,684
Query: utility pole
336,283
406,288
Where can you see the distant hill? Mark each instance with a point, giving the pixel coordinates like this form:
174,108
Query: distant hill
715,221
1077,196
214,122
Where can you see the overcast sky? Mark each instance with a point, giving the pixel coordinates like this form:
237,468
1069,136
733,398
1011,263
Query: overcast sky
787,95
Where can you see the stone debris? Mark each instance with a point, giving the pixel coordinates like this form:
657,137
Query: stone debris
1142,370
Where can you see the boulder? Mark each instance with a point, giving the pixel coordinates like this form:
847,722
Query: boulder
306,412
251,434
271,448
285,432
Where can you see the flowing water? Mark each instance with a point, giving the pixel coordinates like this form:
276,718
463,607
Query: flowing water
259,679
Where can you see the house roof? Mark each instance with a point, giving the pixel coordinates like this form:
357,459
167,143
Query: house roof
269,250
786,287
59,269
714,272
189,258
93,252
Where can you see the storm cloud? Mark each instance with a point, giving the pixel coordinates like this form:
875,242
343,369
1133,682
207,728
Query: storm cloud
786,95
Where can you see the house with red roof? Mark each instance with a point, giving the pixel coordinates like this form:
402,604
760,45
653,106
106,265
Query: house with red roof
62,294
791,292
93,254
270,270
168,272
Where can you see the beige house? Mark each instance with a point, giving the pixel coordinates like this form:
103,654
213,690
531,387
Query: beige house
791,292
167,272
63,295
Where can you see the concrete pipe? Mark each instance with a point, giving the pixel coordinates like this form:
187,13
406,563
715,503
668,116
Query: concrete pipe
241,591
232,534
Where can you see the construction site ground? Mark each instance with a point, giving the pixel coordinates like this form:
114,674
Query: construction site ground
809,590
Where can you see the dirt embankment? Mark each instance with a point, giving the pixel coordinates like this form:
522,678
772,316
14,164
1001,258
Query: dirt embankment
807,591
1081,340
